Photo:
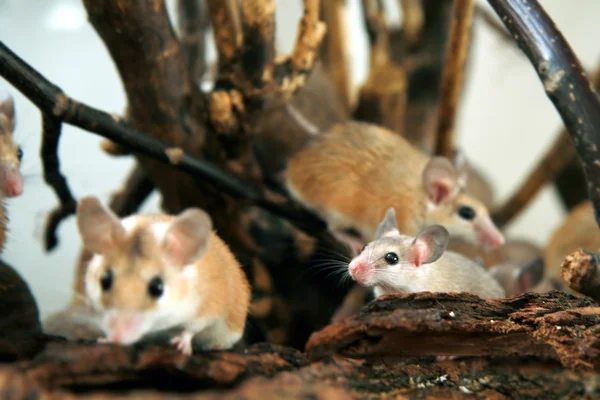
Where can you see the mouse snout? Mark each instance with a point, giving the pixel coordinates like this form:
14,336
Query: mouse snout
13,181
488,234
123,327
358,270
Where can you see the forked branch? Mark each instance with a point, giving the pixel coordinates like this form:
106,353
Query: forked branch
564,80
452,79
413,19
51,128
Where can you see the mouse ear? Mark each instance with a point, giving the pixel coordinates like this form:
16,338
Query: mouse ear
429,245
7,107
531,274
517,279
440,180
186,239
462,168
388,225
99,227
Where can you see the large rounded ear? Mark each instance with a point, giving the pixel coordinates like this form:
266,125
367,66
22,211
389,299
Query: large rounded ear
429,245
462,168
440,180
187,237
7,107
388,225
100,229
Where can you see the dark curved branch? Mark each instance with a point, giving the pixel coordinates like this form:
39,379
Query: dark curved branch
564,80
52,127
50,99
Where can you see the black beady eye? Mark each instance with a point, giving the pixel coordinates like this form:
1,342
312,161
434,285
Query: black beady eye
391,258
466,212
20,153
156,287
106,280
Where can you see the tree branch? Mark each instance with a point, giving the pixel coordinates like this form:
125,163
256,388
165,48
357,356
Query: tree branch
580,271
564,81
51,99
227,28
51,127
335,52
193,22
452,79
413,19
492,22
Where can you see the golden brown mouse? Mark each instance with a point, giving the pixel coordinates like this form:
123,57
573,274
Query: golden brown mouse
156,272
352,173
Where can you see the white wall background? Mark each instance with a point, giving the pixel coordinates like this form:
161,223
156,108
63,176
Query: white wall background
505,123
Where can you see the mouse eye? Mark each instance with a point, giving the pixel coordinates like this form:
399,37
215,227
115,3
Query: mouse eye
106,280
20,153
391,258
156,287
466,212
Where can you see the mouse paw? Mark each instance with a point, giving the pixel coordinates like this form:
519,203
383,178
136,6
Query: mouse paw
183,343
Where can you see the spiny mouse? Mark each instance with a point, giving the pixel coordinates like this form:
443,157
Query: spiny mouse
397,263
156,272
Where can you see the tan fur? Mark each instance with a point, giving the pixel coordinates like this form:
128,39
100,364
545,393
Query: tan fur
8,155
352,173
220,279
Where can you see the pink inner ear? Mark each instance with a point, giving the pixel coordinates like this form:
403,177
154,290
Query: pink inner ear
440,192
174,249
418,253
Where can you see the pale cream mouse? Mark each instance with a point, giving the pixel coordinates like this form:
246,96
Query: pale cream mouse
352,173
155,272
396,263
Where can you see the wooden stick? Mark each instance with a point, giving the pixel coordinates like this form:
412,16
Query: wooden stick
193,22
413,19
580,271
52,127
564,80
452,80
335,53
377,31
227,28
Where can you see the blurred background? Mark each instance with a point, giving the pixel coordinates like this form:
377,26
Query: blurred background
505,122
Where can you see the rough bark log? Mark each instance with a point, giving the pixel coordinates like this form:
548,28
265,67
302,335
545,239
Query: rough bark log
564,81
452,79
554,326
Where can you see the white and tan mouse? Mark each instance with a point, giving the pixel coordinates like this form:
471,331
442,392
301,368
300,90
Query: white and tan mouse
396,263
352,173
156,272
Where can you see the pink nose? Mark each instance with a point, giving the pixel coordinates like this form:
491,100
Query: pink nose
357,269
123,328
14,186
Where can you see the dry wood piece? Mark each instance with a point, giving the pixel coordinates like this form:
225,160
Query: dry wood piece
580,271
452,80
227,28
552,325
564,80
335,50
193,21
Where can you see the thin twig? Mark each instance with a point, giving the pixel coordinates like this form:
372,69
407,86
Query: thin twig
51,136
492,22
377,31
564,80
134,192
452,80
335,50
558,156
193,22
413,19
227,29
51,99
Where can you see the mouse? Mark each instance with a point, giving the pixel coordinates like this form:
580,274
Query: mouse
398,263
11,155
155,272
352,173
517,278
